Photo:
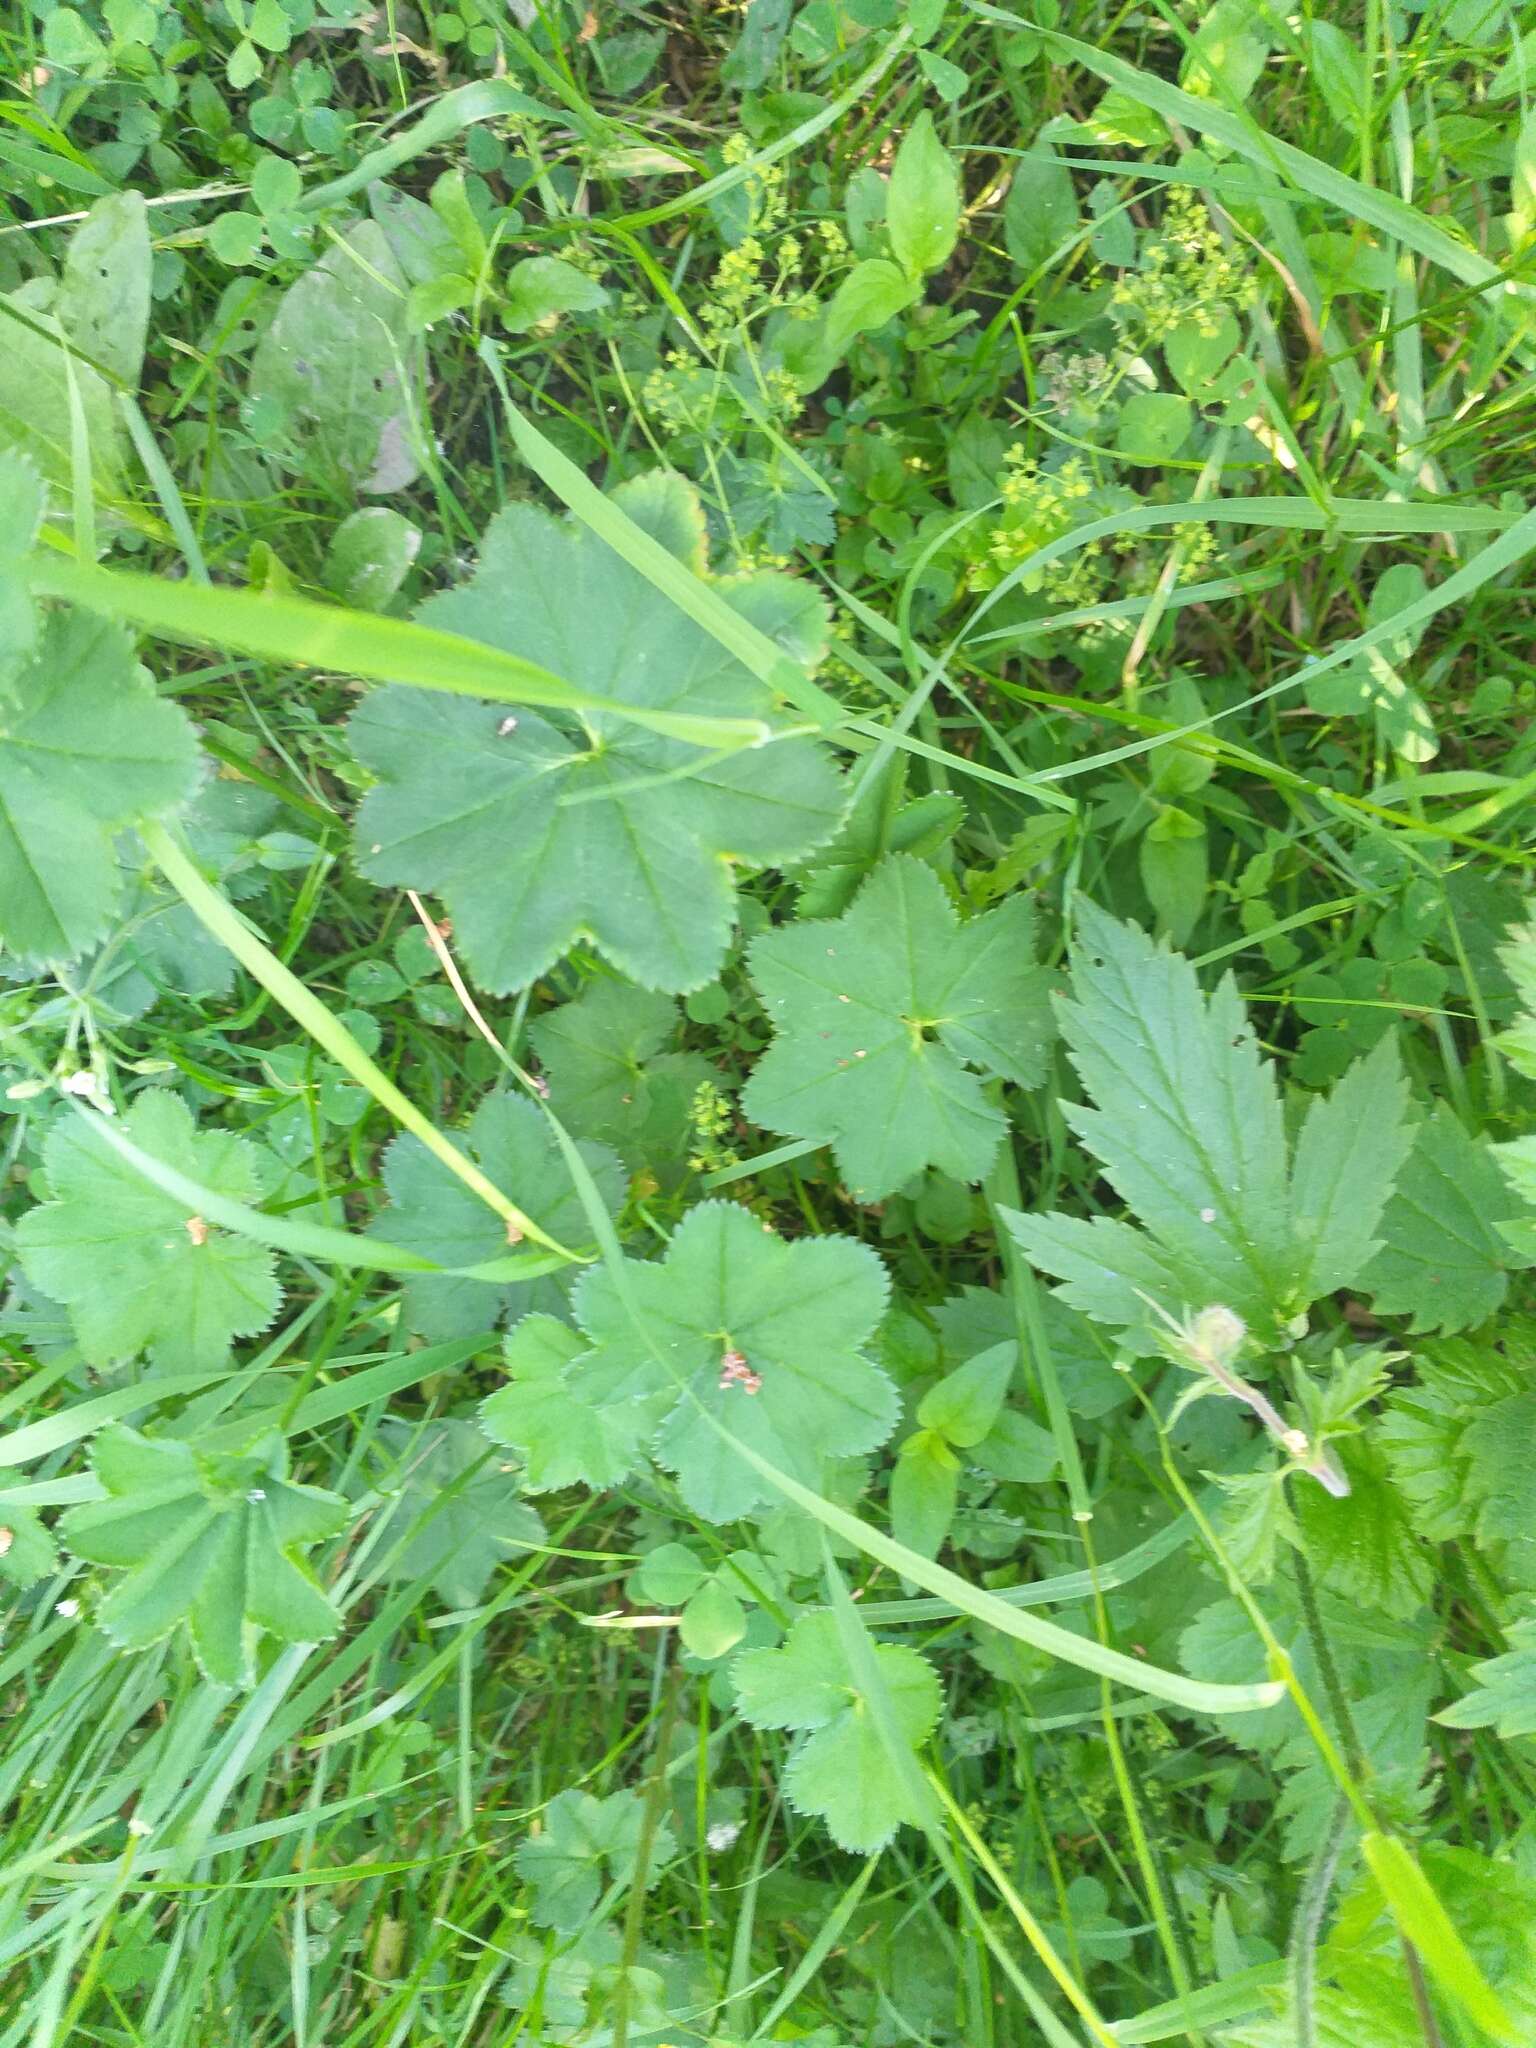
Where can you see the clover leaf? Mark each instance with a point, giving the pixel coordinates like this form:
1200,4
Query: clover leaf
86,747
214,1541
432,1212
135,1271
734,1326
880,1015
585,1840
541,833
839,1768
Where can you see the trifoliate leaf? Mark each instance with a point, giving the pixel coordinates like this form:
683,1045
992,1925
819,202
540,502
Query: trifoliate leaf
1443,1260
86,748
839,1768
27,1551
136,1272
738,1327
214,1541
457,1509
880,1015
584,1844
1504,1694
1186,1123
431,1211
614,1073
539,834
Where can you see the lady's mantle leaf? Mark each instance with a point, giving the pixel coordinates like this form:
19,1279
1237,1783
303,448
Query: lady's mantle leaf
881,1012
212,1541
1444,1260
432,1212
1186,1123
734,1326
564,1441
539,835
135,1271
583,1841
27,1550
86,747
456,1513
839,1769
613,1073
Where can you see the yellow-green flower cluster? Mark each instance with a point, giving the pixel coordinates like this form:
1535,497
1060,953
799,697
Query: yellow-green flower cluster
1042,505
1187,274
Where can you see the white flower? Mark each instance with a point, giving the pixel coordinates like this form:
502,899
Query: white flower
721,1835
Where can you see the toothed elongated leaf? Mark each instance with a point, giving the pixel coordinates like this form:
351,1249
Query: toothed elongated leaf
135,1270
541,835
839,1768
883,1016
86,747
1443,1261
1504,1690
213,1542
432,1212
1184,1117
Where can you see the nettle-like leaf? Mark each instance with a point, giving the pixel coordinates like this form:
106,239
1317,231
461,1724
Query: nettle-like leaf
1445,1262
135,1271
839,1769
1504,1689
215,1541
584,1843
86,747
432,1212
614,1072
456,1512
883,1013
1186,1123
541,833
734,1326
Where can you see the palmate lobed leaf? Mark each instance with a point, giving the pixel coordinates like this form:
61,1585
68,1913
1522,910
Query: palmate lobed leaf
614,1073
215,1543
86,747
881,1017
541,835
674,1347
839,1768
583,1841
135,1271
432,1212
1186,1123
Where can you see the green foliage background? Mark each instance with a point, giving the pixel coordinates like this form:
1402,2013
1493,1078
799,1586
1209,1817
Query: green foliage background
768,1022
